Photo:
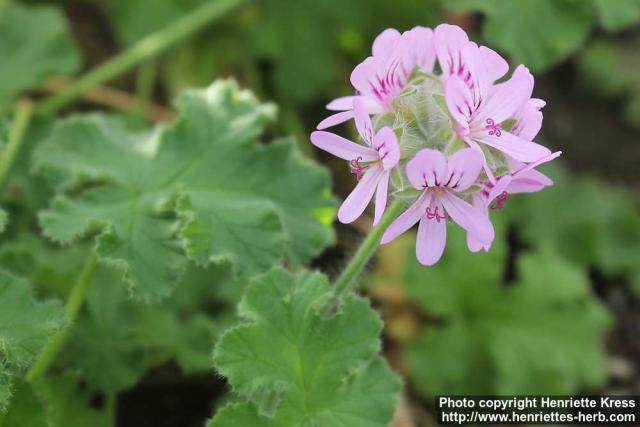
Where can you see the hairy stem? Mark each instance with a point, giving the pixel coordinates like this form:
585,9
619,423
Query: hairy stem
144,49
74,302
363,254
19,127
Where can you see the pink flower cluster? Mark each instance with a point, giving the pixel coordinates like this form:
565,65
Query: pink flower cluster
488,137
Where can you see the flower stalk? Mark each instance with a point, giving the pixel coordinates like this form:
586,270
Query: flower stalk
74,302
362,256
19,128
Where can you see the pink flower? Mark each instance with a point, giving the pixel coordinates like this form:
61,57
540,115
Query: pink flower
372,165
477,105
479,110
380,77
523,179
449,41
528,119
440,179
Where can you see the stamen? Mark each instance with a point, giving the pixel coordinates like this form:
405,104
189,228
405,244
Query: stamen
494,128
357,169
500,200
436,215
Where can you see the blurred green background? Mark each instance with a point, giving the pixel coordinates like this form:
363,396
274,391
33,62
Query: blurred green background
554,308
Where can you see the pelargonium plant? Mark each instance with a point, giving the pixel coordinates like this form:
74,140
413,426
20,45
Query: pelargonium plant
442,131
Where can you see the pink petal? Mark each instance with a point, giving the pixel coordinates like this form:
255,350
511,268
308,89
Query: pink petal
385,43
505,99
528,120
335,119
518,168
448,41
502,184
408,218
475,245
526,179
357,201
469,217
531,182
386,144
480,202
428,168
495,64
463,169
475,75
431,240
341,147
345,103
363,122
342,104
420,51
511,145
365,73
473,144
459,102
381,197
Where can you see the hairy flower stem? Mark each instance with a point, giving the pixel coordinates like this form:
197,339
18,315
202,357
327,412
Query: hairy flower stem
74,302
19,127
362,256
144,49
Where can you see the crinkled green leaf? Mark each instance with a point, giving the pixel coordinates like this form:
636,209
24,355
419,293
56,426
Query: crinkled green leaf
25,327
514,26
25,410
203,185
290,367
616,15
51,269
68,402
34,43
116,340
541,334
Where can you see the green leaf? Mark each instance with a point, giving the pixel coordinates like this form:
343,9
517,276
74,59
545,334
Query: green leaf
116,340
25,327
617,15
600,226
290,367
514,26
203,186
26,409
608,67
541,334
68,402
34,43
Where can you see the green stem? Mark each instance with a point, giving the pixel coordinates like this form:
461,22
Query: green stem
111,408
74,302
144,87
19,127
363,254
146,48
